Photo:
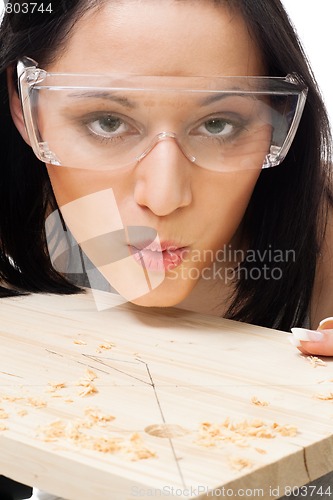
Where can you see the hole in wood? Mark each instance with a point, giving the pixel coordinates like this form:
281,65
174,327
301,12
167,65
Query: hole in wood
166,430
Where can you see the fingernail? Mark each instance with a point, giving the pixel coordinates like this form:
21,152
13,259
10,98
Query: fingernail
307,335
323,321
294,342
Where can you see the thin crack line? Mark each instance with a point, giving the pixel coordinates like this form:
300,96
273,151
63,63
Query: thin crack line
11,375
99,360
163,418
306,463
77,361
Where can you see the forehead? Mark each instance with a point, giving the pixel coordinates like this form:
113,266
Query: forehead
168,37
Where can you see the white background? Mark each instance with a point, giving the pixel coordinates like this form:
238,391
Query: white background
313,22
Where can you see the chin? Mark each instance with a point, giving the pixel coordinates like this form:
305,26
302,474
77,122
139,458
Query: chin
157,298
147,301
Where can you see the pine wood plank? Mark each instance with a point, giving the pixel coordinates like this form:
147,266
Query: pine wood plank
155,367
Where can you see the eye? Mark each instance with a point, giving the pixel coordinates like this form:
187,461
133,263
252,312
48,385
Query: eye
216,126
108,126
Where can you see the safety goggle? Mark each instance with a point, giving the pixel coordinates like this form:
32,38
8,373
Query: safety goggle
107,122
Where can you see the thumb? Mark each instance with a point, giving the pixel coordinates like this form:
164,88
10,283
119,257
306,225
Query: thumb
315,342
326,324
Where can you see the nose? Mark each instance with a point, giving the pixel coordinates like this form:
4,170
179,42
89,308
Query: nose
163,182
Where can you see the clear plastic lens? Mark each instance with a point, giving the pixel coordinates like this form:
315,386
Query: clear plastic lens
221,124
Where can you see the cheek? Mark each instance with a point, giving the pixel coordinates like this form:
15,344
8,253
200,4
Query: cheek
224,207
68,184
71,184
88,203
228,197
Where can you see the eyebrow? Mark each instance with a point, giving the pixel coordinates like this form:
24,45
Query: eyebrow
231,93
124,101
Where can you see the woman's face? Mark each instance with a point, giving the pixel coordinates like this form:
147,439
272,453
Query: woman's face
194,211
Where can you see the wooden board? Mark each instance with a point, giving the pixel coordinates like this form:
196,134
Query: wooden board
153,370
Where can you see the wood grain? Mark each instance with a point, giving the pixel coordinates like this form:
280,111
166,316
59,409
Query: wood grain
165,370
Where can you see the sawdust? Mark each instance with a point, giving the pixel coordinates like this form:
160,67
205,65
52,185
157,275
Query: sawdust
315,361
86,382
239,433
239,463
257,402
107,442
3,414
325,397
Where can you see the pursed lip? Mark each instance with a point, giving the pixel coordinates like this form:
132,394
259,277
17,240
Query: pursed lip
156,246
155,256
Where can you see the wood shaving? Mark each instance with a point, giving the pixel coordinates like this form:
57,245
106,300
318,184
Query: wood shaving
239,432
11,399
36,403
106,346
261,451
240,463
3,427
79,342
55,386
3,414
88,390
28,401
89,376
54,431
325,397
285,430
77,432
22,413
325,381
137,450
257,402
101,444
96,415
315,361
86,382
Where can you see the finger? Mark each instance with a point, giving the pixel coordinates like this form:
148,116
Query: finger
326,324
315,342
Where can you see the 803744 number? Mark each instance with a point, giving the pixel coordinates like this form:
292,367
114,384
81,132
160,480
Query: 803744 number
27,7
308,491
